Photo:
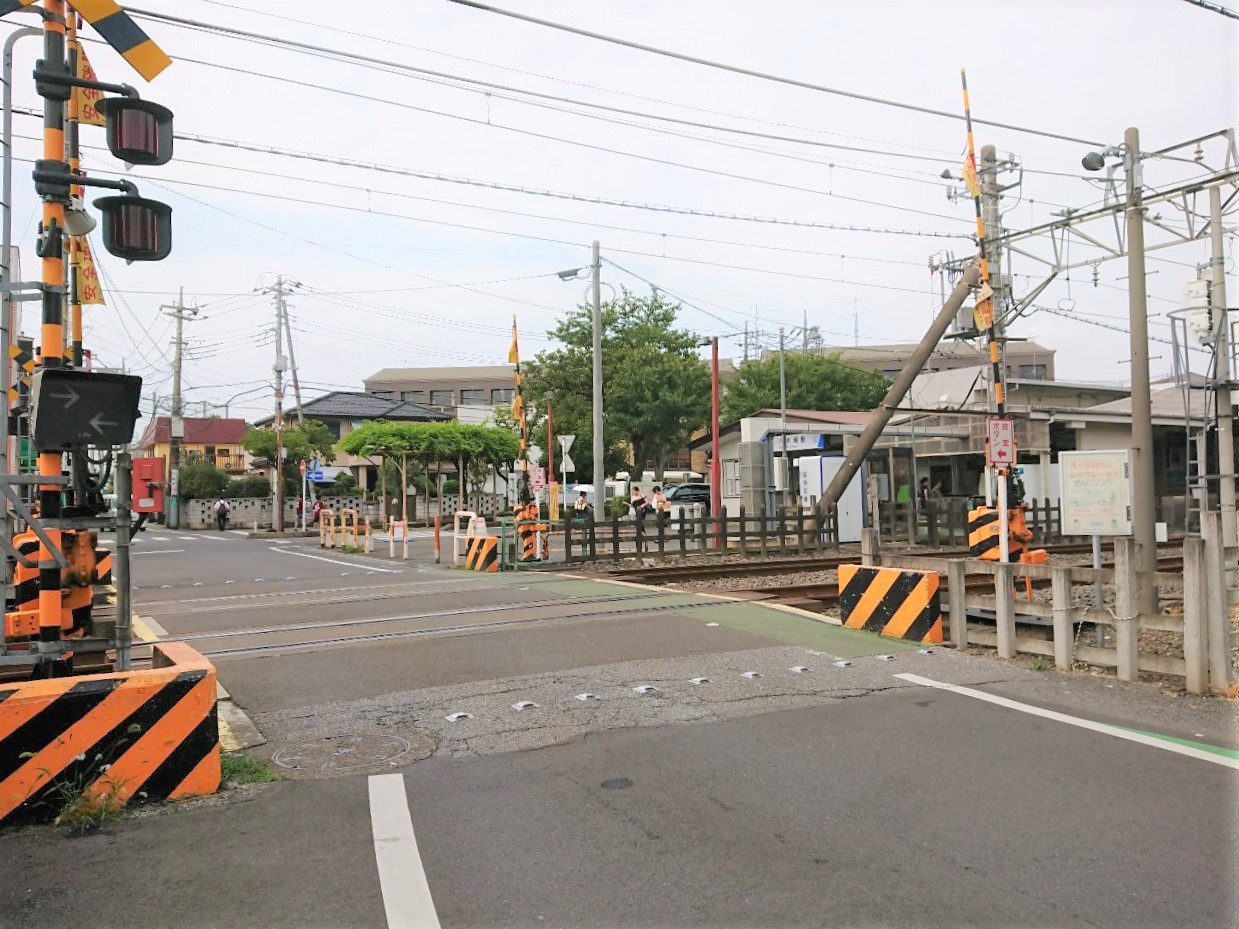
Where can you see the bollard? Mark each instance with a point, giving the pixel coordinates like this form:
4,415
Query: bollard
438,525
1195,616
1127,609
1004,598
1064,638
957,584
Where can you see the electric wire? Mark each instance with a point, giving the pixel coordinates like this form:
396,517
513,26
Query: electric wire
749,72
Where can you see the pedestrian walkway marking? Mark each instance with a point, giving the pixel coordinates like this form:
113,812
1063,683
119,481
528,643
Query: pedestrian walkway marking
210,538
145,629
402,878
347,564
1201,752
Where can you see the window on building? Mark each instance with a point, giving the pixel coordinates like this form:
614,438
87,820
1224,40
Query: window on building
473,397
1033,372
731,478
210,451
500,396
441,398
385,394
413,396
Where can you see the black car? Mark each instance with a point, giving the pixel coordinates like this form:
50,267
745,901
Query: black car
690,493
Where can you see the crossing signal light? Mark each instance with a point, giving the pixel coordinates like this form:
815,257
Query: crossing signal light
139,132
135,228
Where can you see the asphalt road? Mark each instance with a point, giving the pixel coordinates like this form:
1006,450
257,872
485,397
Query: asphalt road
838,794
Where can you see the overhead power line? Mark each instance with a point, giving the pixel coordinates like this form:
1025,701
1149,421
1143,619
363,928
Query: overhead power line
490,87
515,188
1214,7
762,75
335,29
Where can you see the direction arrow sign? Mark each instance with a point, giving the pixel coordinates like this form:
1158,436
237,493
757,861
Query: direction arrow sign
565,442
73,409
316,476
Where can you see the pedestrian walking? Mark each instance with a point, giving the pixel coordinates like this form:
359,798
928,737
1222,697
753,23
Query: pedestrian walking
316,510
299,507
222,509
661,505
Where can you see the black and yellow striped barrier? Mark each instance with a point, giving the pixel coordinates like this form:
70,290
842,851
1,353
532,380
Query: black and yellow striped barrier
482,553
151,734
984,535
890,601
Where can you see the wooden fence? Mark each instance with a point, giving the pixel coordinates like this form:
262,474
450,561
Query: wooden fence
943,522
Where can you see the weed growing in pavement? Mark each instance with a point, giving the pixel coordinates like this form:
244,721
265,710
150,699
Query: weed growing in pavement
352,549
1040,666
237,769
89,796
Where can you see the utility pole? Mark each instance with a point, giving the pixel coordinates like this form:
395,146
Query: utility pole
804,333
292,362
1142,483
600,471
783,470
716,464
746,341
277,509
1222,350
176,427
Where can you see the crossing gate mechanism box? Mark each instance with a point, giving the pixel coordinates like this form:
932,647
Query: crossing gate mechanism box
890,601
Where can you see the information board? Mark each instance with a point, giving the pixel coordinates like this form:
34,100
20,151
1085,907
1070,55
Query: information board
1096,492
1001,445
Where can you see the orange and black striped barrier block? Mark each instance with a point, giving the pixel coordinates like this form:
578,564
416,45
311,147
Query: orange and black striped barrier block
482,553
890,601
151,734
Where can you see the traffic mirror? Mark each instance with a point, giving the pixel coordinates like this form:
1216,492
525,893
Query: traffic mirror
139,132
135,228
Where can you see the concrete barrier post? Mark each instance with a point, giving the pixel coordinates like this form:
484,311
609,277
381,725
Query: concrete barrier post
1127,609
1004,598
957,583
1064,633
1216,611
1195,616
870,548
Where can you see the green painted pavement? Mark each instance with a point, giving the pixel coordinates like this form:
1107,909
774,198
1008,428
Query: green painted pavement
1202,746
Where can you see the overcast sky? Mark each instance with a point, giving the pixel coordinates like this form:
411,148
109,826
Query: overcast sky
407,271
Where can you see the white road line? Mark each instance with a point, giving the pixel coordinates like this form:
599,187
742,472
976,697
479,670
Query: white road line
210,538
348,564
1104,728
241,532
162,551
402,878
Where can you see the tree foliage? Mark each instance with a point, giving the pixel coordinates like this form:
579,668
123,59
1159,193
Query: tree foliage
311,439
201,480
656,387
814,382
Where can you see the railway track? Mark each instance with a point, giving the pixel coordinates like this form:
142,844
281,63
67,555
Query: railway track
670,574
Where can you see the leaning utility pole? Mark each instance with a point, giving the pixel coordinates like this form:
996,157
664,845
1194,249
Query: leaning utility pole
1143,516
292,364
176,427
1223,374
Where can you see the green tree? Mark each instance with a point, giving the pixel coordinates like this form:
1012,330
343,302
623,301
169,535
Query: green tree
657,386
814,382
201,480
311,439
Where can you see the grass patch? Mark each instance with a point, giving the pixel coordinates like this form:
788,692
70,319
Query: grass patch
352,550
237,769
84,809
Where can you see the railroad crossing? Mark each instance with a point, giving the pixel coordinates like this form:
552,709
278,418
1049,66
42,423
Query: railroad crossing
596,752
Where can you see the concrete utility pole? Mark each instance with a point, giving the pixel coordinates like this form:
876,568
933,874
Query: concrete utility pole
990,198
898,390
600,470
176,427
277,508
1222,350
292,363
1143,512
783,470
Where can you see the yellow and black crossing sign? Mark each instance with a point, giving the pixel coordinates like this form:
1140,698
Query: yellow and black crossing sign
118,30
895,603
482,554
984,535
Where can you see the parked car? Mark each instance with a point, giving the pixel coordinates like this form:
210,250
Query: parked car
690,493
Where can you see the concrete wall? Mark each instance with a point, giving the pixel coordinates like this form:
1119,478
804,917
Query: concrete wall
200,514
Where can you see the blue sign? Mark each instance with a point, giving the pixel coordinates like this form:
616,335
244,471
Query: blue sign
315,475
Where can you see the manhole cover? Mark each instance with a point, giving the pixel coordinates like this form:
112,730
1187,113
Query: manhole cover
342,754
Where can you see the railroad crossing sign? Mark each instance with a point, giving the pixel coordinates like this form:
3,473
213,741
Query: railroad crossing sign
74,409
117,28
